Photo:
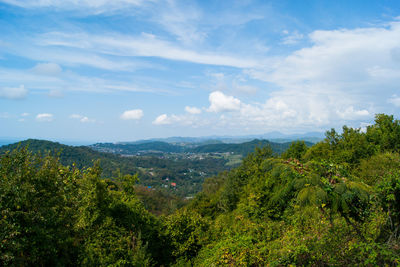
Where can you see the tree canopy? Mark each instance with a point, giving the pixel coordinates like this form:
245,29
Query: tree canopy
335,203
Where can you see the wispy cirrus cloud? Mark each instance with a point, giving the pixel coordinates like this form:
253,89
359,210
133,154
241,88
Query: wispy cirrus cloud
144,45
48,68
56,85
86,6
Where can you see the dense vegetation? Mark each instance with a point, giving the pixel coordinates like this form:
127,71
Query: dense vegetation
243,148
128,148
154,171
213,146
336,203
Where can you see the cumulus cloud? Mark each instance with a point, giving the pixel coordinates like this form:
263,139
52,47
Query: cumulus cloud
351,113
134,114
192,110
162,120
50,69
13,92
81,118
44,117
346,59
185,119
337,78
219,102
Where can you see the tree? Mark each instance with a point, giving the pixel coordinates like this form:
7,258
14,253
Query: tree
296,150
385,133
38,210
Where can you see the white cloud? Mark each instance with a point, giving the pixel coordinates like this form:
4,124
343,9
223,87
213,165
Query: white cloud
192,110
69,81
162,120
85,119
145,45
134,114
81,118
219,102
344,75
185,120
351,113
13,92
50,69
292,38
56,51
181,21
44,117
25,114
341,59
89,6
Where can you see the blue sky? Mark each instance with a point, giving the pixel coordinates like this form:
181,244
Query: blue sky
122,70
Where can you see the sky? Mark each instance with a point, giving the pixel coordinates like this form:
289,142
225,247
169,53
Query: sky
125,70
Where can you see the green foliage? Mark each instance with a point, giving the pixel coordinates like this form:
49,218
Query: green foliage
55,216
242,149
187,231
152,170
348,148
385,133
334,204
37,210
371,170
296,150
159,202
239,177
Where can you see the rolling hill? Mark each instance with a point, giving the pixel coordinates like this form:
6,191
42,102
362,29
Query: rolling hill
211,147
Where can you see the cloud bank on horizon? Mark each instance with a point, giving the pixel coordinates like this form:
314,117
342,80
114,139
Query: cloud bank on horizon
142,69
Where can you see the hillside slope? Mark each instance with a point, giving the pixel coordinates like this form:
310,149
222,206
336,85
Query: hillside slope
214,147
159,172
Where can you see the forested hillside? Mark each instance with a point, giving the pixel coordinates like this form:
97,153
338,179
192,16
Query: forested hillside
212,147
131,149
335,203
244,148
157,172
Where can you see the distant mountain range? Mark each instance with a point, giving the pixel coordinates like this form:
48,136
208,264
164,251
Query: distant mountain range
183,147
277,137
